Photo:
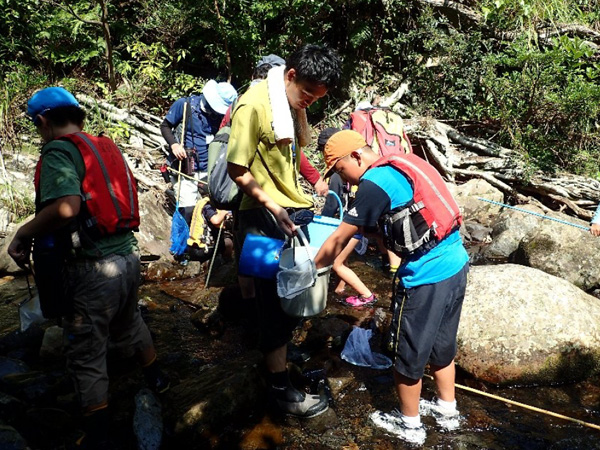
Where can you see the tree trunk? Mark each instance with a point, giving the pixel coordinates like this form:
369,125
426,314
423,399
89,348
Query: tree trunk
112,80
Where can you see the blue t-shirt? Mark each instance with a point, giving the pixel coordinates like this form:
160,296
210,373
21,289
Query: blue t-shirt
200,130
384,188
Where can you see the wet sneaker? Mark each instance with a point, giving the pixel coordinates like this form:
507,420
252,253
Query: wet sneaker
359,300
295,403
448,419
393,424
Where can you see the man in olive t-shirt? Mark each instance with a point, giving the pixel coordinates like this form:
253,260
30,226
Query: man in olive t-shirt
267,171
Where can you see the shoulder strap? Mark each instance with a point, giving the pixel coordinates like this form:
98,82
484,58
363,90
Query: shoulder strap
189,120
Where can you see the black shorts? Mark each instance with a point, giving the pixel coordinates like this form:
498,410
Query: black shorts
425,324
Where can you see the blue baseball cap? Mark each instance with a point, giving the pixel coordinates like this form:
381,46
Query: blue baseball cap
49,98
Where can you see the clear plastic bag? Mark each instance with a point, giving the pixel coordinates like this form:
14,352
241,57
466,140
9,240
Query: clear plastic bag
30,312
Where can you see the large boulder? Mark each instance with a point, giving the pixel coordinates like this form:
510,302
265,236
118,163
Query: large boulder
520,325
7,265
563,251
155,227
510,228
467,196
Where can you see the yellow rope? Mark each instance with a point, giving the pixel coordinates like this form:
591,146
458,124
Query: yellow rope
523,405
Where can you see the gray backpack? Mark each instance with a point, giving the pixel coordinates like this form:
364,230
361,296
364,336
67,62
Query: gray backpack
222,190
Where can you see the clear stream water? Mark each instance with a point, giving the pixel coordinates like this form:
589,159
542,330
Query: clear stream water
487,423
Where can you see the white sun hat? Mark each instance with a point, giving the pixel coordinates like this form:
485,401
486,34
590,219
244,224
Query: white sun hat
219,95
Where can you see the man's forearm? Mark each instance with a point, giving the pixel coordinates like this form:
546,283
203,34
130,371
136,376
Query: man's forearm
334,245
54,216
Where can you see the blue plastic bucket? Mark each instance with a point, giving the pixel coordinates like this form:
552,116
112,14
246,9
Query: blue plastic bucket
322,226
260,256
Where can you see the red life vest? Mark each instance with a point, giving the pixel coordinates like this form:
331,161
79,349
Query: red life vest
108,189
431,215
382,129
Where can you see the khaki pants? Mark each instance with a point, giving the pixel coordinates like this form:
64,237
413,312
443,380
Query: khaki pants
104,307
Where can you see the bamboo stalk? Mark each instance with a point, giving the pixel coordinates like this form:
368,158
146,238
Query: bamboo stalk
525,406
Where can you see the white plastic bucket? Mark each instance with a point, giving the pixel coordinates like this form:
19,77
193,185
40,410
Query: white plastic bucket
312,300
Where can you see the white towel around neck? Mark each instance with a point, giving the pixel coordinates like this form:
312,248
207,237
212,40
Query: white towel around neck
283,124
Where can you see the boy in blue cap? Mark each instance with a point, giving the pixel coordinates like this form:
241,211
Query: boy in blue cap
76,223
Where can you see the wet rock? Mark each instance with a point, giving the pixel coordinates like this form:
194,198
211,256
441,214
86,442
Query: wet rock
467,195
17,340
563,251
265,434
318,332
521,325
208,320
52,344
29,386
147,420
214,397
169,269
10,439
322,423
11,366
341,383
381,319
10,407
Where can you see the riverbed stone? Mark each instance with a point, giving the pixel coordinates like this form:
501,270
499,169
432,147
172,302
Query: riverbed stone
214,396
10,407
10,439
52,344
29,386
467,196
563,251
509,230
7,264
10,366
147,420
520,325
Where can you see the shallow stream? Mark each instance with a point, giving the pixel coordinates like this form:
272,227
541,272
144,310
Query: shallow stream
185,351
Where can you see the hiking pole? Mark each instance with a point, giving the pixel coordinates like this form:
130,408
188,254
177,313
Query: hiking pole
523,405
181,174
564,222
212,261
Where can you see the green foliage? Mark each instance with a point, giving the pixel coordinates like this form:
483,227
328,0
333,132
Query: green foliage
548,102
540,99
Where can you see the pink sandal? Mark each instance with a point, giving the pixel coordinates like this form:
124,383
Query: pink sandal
359,300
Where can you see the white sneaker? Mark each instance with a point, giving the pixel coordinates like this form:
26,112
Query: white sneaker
393,423
448,419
